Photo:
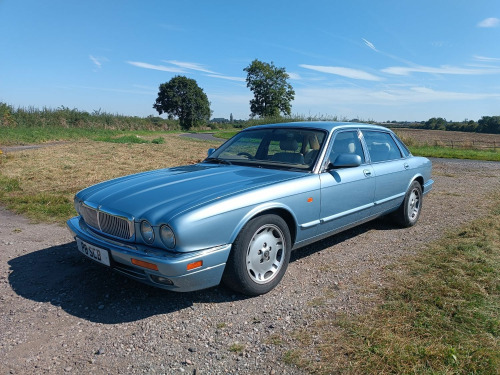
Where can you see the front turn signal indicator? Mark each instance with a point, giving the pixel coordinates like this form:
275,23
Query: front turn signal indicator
143,264
192,266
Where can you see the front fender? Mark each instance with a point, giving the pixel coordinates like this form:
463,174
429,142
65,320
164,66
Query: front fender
219,222
268,206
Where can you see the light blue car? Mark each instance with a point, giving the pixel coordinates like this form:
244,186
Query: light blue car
236,216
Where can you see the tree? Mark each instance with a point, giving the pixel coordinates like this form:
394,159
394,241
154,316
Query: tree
272,92
183,98
489,124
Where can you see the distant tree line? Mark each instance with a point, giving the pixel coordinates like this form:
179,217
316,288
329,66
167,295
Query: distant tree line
487,124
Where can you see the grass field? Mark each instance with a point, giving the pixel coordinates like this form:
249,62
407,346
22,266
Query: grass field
41,183
441,315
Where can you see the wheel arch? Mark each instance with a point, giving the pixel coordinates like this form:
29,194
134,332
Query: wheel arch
282,211
420,180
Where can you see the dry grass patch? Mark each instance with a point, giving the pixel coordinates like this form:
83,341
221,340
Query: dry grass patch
439,316
49,177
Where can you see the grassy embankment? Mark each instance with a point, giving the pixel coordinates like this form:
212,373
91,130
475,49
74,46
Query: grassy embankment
441,315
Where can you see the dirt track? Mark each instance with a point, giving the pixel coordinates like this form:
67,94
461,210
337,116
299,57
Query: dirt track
61,313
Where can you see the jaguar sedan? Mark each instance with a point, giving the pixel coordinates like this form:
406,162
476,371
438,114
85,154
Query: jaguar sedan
236,216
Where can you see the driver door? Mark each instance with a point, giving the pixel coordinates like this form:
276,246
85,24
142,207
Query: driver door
347,194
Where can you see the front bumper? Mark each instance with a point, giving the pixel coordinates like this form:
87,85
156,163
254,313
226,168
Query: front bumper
171,266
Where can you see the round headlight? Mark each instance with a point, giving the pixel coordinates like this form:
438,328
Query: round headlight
167,236
147,232
78,205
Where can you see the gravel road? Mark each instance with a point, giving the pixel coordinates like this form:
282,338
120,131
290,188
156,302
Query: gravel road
61,313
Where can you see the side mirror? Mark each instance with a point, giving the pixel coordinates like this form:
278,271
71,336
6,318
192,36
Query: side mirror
210,151
346,161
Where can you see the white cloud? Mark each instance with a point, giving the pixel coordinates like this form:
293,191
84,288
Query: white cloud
489,22
189,65
445,69
369,44
344,72
388,97
98,60
162,68
295,76
239,79
486,59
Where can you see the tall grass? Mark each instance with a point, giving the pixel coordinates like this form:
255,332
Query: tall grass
26,125
64,117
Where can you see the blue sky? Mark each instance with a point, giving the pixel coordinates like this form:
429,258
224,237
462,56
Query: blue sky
373,60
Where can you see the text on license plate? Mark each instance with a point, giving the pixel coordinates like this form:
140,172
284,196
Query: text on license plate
95,253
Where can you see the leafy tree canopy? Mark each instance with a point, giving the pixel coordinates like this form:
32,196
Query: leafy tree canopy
272,92
183,98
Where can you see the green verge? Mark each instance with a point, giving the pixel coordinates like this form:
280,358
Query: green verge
226,134
455,153
440,316
40,207
34,135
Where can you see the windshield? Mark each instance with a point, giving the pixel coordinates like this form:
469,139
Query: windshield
283,148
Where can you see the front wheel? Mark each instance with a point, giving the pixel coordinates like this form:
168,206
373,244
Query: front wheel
259,257
409,211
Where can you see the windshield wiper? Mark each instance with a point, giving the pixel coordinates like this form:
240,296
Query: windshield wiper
217,161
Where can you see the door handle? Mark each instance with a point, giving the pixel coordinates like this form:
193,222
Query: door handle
406,165
367,172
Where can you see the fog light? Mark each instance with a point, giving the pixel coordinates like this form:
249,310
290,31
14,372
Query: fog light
161,280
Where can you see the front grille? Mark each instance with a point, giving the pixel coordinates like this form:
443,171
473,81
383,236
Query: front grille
116,226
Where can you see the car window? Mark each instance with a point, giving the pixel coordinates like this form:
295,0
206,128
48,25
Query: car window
248,144
402,146
346,143
381,146
273,147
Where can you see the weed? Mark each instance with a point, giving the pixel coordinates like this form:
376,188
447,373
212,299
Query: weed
158,141
237,348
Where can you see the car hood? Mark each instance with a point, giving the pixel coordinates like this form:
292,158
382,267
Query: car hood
159,195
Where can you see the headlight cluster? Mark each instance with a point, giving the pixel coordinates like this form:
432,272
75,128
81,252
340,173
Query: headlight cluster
167,236
78,204
147,232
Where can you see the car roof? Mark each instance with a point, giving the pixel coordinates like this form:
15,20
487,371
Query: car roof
320,125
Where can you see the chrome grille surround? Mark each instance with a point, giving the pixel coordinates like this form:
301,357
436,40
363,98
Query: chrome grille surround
114,225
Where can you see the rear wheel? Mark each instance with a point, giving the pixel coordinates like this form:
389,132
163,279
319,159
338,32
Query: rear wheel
259,257
409,212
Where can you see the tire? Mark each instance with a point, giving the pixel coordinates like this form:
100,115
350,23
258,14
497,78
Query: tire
259,256
408,213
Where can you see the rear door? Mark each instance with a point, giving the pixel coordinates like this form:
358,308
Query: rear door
391,170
